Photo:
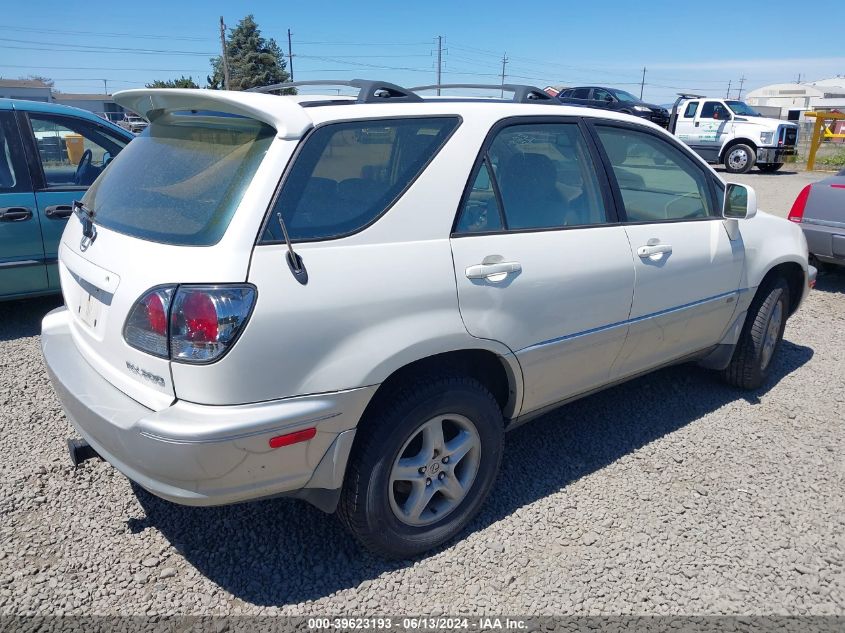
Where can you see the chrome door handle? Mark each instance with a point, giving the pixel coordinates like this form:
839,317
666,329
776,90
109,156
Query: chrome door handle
653,249
487,271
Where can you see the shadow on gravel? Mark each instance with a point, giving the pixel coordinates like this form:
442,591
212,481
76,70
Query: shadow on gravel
783,171
283,551
23,317
831,279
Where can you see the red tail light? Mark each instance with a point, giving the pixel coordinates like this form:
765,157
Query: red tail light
190,324
796,214
200,317
156,313
146,326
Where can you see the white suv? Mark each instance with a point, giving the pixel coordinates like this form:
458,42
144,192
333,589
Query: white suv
349,300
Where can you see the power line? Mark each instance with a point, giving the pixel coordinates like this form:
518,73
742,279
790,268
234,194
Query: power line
102,49
104,34
155,70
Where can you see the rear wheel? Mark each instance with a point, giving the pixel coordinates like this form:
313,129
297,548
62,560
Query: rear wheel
423,465
770,168
761,336
740,158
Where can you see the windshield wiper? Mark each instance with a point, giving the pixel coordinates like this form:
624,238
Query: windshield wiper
86,217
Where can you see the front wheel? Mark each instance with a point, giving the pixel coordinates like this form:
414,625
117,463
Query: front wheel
423,464
761,336
740,158
770,168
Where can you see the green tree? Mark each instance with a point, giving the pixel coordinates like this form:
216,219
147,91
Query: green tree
253,60
182,82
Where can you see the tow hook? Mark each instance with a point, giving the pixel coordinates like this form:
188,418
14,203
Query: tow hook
80,451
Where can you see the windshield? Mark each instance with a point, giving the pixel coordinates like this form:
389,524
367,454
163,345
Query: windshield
181,180
740,108
624,96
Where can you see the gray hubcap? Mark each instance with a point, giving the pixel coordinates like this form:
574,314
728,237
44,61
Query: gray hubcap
771,338
434,470
738,158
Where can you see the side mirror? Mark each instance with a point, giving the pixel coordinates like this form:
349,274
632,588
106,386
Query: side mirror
740,202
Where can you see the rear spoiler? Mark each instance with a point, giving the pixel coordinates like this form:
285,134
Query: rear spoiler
287,117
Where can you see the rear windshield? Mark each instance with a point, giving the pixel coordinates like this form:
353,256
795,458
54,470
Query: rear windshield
348,174
182,179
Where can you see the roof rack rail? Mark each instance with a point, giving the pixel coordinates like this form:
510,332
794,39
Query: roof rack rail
368,91
521,93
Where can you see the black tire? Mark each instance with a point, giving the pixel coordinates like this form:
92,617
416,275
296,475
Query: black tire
365,503
732,158
770,168
749,368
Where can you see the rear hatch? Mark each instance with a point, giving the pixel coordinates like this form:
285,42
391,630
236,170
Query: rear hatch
181,204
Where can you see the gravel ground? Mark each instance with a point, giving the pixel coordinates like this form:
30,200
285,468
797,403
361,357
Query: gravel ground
672,494
776,192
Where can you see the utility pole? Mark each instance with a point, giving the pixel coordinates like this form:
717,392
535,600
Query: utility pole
642,84
290,57
439,60
225,54
728,93
739,94
105,86
504,63
798,81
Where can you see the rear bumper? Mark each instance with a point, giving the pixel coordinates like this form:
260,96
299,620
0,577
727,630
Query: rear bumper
768,155
203,455
827,243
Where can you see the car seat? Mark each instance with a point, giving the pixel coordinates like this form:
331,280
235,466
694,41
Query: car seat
529,192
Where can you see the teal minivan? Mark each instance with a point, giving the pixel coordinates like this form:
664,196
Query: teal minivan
49,156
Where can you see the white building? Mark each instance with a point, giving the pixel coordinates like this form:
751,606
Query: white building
793,99
100,104
29,89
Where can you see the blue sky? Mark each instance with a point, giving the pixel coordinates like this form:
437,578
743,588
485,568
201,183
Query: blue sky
694,46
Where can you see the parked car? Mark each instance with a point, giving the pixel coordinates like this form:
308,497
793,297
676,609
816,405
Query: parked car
131,122
820,211
733,133
275,303
49,155
616,100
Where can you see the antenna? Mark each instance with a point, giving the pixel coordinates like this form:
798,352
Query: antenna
297,267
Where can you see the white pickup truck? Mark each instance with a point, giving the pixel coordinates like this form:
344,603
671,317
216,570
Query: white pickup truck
730,132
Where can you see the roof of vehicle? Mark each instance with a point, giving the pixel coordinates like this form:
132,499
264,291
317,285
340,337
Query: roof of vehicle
292,115
24,105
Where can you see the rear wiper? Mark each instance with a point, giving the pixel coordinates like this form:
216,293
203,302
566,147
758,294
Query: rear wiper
86,217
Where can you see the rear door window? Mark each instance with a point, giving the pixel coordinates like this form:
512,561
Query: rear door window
346,175
692,108
545,178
